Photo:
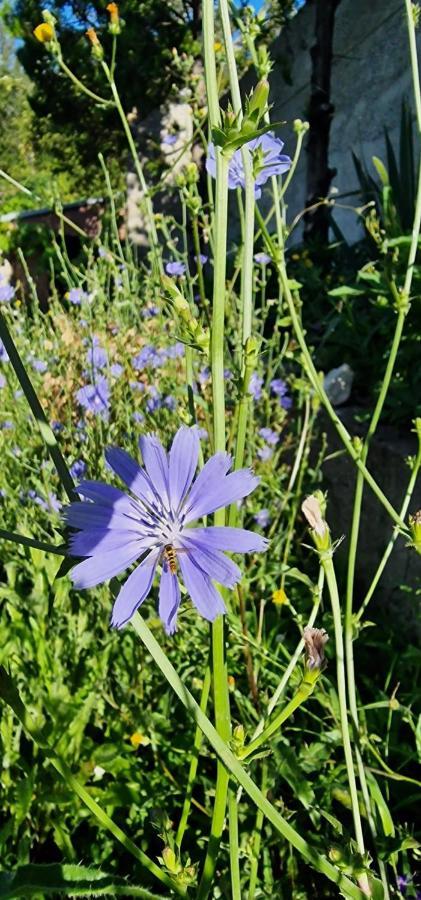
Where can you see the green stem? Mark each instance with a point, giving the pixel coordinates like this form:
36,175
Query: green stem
327,563
31,542
235,768
257,838
193,762
304,692
10,695
47,433
80,86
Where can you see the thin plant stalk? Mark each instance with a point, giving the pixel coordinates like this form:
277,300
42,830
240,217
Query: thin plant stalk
198,738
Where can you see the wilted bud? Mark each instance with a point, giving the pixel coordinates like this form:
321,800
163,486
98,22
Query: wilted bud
313,509
97,48
415,525
114,26
315,640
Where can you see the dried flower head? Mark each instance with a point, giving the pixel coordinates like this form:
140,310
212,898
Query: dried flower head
315,640
312,512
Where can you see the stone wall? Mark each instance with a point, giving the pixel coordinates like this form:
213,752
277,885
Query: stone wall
370,76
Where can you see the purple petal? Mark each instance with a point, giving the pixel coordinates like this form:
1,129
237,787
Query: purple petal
102,540
213,471
103,566
213,562
107,495
92,515
134,591
222,493
234,540
205,597
183,458
156,463
169,599
131,473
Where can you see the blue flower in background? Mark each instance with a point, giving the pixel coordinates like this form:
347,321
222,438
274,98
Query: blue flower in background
262,518
76,295
149,312
95,398
265,453
116,370
255,386
77,469
96,356
7,292
203,259
3,355
273,162
280,388
154,521
175,268
39,365
175,351
154,400
268,435
2,381
262,258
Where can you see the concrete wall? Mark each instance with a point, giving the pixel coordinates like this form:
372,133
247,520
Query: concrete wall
371,73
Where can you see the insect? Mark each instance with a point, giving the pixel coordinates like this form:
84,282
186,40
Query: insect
171,557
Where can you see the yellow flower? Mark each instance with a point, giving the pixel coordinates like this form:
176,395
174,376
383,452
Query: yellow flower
231,682
44,33
217,46
94,39
295,256
139,740
280,598
112,8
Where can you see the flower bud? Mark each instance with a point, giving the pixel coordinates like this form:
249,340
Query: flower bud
44,33
259,98
300,127
96,46
171,862
415,525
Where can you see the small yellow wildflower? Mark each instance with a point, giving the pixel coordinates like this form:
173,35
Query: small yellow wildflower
139,740
295,256
93,37
231,682
217,46
279,598
44,33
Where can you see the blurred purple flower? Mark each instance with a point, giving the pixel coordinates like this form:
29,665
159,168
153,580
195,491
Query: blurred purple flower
18,394
95,398
39,365
203,434
280,388
203,259
7,292
268,435
265,453
57,426
96,356
175,351
169,139
76,295
262,518
116,370
154,400
170,403
175,268
3,355
138,417
7,425
262,259
149,312
137,386
204,375
255,386
77,469
2,381
152,522
274,162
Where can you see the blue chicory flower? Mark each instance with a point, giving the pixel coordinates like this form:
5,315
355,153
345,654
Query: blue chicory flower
154,400
280,388
274,162
149,312
268,435
78,469
7,292
255,386
96,357
95,398
57,426
3,355
138,417
263,259
7,425
170,402
76,295
169,139
176,267
262,518
203,259
265,453
116,370
38,365
2,381
176,351
154,521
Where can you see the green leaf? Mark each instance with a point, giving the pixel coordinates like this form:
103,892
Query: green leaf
242,139
345,291
69,880
380,169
